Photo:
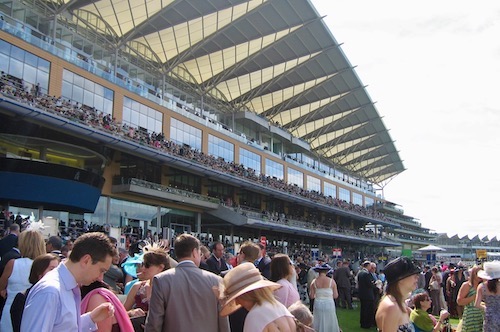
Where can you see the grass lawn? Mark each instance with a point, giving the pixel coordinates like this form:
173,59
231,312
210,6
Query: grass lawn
349,320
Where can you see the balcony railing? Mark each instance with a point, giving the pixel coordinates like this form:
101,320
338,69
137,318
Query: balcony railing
117,180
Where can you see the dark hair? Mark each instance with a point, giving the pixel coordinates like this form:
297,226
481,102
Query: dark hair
492,285
95,244
157,257
419,298
393,289
214,246
40,264
251,251
56,242
184,244
96,284
261,246
14,228
280,267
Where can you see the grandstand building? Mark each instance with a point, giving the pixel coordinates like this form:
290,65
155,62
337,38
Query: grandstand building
227,118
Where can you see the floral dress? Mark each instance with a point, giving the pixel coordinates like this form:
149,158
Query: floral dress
492,312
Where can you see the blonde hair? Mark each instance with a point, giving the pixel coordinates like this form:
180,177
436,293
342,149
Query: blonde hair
31,244
204,250
302,313
473,274
259,296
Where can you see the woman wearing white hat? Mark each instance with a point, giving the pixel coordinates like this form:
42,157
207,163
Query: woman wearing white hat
244,286
488,296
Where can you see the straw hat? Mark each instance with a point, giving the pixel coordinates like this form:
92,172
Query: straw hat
491,270
238,281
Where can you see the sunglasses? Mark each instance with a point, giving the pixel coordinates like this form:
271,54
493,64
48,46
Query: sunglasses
146,265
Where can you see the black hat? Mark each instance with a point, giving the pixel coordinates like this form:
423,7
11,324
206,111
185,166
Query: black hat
400,268
322,267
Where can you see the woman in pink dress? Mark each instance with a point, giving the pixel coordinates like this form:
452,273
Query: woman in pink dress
281,270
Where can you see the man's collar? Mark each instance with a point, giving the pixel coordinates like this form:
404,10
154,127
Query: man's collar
186,261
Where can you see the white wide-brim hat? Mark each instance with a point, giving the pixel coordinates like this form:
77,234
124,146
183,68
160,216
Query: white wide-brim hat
238,281
491,270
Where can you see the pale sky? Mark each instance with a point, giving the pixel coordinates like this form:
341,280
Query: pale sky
433,69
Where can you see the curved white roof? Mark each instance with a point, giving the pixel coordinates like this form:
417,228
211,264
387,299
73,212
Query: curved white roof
276,58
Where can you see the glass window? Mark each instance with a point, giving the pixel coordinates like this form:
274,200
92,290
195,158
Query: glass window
98,102
123,212
24,65
220,148
313,183
330,189
16,68
250,160
17,53
88,98
43,65
68,76
31,59
43,78
345,194
78,88
369,202
78,80
29,74
99,90
182,133
4,63
89,86
5,47
357,199
134,117
295,177
274,169
77,93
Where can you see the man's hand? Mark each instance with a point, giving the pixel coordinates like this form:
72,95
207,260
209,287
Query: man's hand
102,312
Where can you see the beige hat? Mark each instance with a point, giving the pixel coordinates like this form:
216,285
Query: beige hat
238,281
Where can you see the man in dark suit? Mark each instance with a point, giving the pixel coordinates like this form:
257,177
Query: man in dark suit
427,275
366,294
54,245
182,299
10,241
263,263
343,278
216,263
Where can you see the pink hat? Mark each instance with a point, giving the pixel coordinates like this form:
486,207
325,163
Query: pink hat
238,281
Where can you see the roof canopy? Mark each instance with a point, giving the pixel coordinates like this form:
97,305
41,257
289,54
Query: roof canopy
276,58
431,247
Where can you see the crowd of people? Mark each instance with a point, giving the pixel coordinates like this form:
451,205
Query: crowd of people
15,88
94,284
